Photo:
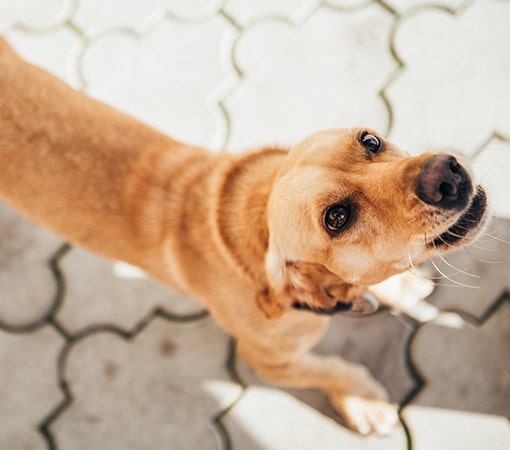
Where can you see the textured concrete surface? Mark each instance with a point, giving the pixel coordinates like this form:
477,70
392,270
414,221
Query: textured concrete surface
93,355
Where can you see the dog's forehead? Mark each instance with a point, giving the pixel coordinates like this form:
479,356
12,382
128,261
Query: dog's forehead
326,141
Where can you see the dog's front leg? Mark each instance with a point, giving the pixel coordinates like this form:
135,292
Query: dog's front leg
353,392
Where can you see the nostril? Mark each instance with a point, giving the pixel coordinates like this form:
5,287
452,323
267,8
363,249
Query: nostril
449,190
443,182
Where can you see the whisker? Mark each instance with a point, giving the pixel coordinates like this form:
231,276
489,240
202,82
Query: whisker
496,238
458,283
483,260
457,268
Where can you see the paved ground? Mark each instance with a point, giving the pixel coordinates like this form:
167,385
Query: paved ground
95,356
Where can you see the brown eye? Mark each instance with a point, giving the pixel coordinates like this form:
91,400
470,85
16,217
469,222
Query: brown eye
336,218
370,142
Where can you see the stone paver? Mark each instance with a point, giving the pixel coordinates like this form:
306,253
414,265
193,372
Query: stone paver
95,16
116,293
266,418
34,14
56,52
27,283
238,74
168,77
443,429
453,95
159,390
246,11
474,365
488,263
28,386
491,166
405,5
294,80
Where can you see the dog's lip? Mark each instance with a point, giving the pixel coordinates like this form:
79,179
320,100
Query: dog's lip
339,307
366,304
468,221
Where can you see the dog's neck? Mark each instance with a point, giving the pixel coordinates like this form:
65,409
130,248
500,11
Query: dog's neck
242,211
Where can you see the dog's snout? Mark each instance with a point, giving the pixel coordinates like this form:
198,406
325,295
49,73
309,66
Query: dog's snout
444,182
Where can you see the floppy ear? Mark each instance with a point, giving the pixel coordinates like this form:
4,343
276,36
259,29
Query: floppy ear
293,282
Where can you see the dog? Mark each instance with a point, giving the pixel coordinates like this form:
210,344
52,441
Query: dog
272,242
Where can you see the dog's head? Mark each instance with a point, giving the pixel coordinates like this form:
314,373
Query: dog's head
349,209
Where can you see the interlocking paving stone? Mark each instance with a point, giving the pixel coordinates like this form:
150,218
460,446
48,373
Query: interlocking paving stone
169,78
489,259
246,11
93,16
35,14
375,341
158,390
404,5
452,95
271,419
28,386
442,429
294,79
27,284
116,293
473,371
56,52
491,167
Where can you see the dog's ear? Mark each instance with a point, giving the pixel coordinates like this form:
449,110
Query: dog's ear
293,282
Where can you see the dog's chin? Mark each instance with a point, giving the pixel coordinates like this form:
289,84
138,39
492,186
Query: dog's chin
467,227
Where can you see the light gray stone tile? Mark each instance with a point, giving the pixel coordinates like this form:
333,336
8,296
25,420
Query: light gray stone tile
157,391
29,386
444,429
27,284
101,291
488,260
56,51
93,16
326,73
492,166
404,5
377,342
454,90
465,369
34,14
245,11
170,78
267,418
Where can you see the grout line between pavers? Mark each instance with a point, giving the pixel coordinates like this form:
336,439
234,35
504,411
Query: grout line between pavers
72,339
56,303
216,420
400,17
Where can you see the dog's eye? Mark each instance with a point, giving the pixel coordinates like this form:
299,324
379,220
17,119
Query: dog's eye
336,218
370,142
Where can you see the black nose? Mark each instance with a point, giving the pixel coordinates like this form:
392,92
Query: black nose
444,182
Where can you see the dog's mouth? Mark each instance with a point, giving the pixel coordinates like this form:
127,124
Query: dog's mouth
367,304
339,307
467,226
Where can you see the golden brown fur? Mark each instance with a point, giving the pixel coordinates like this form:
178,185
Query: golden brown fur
243,234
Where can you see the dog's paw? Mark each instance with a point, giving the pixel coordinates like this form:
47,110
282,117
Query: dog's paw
367,416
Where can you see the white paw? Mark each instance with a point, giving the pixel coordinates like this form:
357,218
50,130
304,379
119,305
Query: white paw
367,416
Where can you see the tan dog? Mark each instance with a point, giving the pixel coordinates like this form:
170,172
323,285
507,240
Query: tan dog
271,242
